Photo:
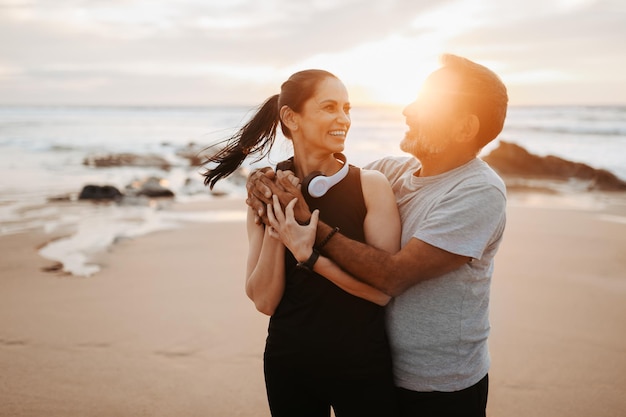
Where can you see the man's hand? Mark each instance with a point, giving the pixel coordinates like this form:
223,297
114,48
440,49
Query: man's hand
291,188
263,183
260,192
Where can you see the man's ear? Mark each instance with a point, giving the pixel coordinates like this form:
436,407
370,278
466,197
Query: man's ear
289,118
469,128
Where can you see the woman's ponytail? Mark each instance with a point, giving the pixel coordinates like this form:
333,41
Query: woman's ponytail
258,135
255,137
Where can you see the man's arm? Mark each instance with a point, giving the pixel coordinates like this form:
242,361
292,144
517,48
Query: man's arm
390,273
303,237
417,261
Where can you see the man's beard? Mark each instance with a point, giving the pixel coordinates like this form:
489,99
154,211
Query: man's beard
426,140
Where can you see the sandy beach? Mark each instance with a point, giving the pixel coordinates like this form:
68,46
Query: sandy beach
165,328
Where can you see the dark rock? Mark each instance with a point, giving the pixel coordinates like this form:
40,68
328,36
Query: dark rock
126,159
509,159
218,193
60,198
55,267
240,176
150,187
193,153
100,193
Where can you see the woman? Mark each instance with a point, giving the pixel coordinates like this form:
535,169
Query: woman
326,344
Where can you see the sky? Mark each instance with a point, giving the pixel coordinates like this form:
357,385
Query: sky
231,52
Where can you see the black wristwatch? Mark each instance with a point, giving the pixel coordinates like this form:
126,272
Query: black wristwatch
308,264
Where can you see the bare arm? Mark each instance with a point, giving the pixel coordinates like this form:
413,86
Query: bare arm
382,230
417,261
391,273
265,271
382,222
329,270
388,239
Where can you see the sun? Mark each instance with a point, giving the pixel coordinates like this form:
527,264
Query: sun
388,71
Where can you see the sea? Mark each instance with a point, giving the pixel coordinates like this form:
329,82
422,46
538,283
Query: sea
43,150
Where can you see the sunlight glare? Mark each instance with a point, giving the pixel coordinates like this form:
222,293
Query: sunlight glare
389,71
452,19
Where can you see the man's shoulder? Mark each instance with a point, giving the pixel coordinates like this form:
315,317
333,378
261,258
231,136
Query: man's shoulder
390,164
475,182
490,176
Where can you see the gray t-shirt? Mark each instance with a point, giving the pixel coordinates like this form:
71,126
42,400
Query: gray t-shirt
438,328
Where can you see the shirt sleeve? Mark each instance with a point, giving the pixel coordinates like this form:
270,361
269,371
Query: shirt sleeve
391,167
466,221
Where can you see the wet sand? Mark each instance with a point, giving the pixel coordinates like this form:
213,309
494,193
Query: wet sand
165,327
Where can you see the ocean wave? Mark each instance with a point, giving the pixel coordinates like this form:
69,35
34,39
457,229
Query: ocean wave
574,131
95,229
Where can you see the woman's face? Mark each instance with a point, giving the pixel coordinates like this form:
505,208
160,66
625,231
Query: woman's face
324,120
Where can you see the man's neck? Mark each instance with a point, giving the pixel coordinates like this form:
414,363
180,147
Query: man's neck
441,164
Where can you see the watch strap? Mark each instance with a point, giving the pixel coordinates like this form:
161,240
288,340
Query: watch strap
309,263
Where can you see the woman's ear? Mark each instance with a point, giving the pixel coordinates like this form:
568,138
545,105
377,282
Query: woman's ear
289,118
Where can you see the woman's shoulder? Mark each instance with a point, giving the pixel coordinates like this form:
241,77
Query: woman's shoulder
373,182
372,175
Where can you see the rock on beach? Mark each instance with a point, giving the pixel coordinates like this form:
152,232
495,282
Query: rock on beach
512,160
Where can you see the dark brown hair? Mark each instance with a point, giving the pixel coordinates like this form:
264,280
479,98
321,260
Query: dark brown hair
257,136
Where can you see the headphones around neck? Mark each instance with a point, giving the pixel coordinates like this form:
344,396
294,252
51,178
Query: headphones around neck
317,184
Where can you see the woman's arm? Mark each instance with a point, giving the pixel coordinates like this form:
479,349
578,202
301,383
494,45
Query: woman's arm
382,222
382,230
265,271
346,282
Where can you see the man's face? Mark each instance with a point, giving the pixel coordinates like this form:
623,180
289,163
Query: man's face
432,118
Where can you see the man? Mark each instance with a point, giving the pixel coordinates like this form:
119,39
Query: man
452,206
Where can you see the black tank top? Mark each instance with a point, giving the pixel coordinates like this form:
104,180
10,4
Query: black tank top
317,320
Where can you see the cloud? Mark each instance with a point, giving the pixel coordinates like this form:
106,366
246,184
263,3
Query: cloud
242,31
76,45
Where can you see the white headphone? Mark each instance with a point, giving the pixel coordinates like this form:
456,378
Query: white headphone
317,184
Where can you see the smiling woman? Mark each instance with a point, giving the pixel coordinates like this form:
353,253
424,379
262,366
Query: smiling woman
326,344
